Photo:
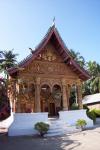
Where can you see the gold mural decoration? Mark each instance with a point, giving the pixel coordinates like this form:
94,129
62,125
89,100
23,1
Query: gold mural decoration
46,67
48,55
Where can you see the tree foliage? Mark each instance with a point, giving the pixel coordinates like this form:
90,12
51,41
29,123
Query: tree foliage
78,58
4,101
94,70
9,59
91,86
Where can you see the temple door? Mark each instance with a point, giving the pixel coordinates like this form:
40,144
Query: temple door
52,110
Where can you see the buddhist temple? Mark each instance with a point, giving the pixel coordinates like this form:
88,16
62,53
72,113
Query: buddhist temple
43,80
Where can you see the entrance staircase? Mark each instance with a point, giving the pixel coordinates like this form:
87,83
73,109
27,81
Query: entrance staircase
58,127
23,123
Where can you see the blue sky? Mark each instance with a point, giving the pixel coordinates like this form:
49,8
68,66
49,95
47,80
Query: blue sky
23,23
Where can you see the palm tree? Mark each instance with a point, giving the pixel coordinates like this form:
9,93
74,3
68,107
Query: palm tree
9,60
94,70
86,88
95,84
1,57
76,56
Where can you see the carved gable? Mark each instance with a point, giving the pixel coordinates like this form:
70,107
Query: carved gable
49,57
49,54
49,62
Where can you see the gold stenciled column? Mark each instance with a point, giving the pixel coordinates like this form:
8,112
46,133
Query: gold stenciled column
37,95
13,94
68,95
64,95
79,95
18,88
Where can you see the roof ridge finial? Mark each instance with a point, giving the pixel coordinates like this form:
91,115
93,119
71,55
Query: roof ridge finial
53,23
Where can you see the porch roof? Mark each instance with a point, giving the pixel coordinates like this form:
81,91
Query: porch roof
94,98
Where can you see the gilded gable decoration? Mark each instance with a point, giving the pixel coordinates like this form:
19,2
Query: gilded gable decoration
48,55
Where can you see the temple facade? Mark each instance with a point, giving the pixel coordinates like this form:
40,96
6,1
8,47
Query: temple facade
42,82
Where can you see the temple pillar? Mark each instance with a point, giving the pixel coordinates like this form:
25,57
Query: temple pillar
37,96
68,95
64,95
32,107
18,108
79,96
14,106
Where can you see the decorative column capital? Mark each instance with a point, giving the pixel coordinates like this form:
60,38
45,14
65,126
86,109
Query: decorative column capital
63,82
79,82
37,81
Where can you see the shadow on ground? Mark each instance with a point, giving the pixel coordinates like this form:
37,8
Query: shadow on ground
66,142
37,143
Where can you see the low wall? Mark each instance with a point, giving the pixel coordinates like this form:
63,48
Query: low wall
23,123
72,116
97,121
7,122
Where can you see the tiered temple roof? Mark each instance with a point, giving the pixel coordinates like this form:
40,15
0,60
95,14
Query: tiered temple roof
53,36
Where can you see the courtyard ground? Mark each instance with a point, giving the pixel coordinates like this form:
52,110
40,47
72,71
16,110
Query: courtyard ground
86,140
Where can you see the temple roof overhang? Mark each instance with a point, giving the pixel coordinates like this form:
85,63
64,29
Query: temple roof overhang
53,36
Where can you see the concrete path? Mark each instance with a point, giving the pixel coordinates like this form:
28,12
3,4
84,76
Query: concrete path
86,140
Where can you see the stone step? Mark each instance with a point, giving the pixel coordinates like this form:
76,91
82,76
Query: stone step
69,130
56,123
53,134
58,127
56,130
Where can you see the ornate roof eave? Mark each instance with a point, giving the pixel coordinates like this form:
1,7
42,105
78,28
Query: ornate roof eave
64,51
82,72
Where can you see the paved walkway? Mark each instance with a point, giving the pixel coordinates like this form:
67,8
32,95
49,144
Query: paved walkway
86,140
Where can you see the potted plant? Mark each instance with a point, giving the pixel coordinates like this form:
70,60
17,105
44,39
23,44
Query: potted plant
42,128
81,123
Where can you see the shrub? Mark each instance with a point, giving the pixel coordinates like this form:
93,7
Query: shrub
85,107
91,114
42,128
74,106
97,112
81,123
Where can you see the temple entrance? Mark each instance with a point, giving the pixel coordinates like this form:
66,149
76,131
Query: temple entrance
51,101
52,110
57,98
44,97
